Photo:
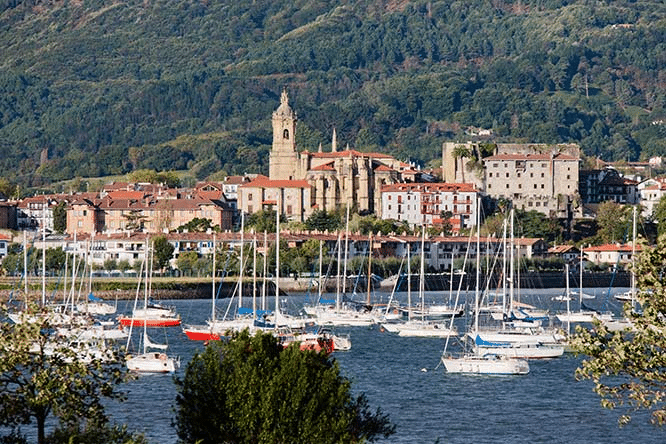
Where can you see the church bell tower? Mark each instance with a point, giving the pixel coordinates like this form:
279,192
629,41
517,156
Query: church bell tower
283,158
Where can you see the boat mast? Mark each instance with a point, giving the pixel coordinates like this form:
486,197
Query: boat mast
409,281
44,205
25,267
422,274
511,266
367,301
633,255
212,316
254,273
321,258
478,262
344,281
337,284
277,259
265,272
240,263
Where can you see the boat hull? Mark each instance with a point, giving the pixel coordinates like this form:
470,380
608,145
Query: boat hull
136,322
483,365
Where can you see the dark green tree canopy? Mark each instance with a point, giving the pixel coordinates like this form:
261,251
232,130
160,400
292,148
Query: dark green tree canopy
250,390
162,251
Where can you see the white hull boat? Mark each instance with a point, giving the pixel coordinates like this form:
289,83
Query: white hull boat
486,365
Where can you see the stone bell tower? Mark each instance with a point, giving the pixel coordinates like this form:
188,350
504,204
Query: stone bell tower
283,158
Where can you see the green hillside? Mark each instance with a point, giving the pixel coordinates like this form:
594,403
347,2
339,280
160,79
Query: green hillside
92,88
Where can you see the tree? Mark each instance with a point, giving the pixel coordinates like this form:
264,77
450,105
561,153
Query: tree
659,215
614,221
250,390
187,262
163,252
321,220
627,367
41,374
60,217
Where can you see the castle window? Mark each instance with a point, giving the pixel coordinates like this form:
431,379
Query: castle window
285,134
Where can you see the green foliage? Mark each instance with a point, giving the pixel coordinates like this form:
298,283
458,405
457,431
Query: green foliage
627,366
60,217
321,220
42,375
536,225
263,220
168,178
248,390
162,252
614,222
659,216
183,85
198,225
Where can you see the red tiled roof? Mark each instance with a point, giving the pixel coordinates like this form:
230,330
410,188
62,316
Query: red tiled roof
264,182
536,157
429,187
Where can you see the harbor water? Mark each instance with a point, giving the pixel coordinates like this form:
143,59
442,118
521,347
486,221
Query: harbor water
403,377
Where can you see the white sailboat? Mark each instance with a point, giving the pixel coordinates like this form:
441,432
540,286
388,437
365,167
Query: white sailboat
149,361
422,327
476,363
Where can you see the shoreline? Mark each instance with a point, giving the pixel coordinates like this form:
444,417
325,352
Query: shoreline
201,288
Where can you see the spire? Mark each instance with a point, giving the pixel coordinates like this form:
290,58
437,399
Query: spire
320,147
334,143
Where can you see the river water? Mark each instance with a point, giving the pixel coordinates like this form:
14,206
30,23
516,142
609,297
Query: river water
404,378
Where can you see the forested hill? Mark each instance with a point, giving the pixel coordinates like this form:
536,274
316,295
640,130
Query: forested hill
95,87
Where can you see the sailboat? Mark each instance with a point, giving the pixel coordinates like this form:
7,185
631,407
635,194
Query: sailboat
338,312
580,315
92,304
149,361
476,363
421,327
152,314
624,323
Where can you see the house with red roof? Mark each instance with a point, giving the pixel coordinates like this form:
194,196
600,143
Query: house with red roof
611,254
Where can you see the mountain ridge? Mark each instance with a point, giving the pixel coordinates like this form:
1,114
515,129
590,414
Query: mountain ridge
92,81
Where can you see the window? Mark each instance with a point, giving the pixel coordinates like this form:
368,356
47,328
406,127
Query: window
542,174
289,209
249,196
535,187
520,186
507,186
249,209
507,174
285,134
568,177
542,186
490,174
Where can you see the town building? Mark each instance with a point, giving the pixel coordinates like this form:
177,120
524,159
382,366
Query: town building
611,254
537,177
651,191
428,204
607,184
337,178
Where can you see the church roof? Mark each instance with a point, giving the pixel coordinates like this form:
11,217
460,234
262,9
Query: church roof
265,182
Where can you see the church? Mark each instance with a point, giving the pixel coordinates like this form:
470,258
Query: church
302,182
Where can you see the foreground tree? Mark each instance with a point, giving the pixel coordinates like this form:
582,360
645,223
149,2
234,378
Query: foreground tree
42,375
249,390
629,367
